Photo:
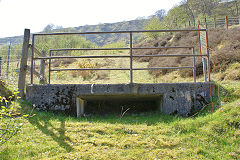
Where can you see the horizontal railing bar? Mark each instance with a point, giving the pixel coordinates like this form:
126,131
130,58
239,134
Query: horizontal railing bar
59,57
173,47
123,56
87,49
88,69
98,69
171,55
139,31
161,68
79,49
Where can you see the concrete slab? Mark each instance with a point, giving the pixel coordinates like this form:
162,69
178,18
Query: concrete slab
173,98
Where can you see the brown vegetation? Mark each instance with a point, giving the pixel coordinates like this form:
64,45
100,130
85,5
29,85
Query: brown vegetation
63,62
224,48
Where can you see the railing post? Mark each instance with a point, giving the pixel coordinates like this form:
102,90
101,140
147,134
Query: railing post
23,65
227,22
32,59
203,59
205,22
49,68
42,70
208,57
204,69
131,71
8,58
215,25
176,20
194,66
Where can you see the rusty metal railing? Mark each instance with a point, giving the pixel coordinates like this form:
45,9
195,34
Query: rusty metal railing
130,56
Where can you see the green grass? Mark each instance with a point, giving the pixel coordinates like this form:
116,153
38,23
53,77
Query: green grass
208,135
140,136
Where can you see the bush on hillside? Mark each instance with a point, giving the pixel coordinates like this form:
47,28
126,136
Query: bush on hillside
224,47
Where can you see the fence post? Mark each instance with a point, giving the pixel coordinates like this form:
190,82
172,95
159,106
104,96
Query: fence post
0,66
227,22
49,69
208,58
204,69
23,65
205,22
8,58
194,66
215,25
176,20
131,59
42,70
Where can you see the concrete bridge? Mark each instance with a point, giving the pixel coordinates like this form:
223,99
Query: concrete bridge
182,99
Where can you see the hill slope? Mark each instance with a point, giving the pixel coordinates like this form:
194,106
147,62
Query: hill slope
98,39
224,50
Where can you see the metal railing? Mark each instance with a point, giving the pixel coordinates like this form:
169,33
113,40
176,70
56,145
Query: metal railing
130,56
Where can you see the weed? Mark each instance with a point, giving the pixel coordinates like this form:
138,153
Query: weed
85,64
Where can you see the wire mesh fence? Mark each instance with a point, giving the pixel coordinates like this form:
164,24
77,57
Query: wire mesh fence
10,58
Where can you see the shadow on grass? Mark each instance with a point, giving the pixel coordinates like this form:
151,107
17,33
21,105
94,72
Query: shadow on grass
43,122
149,118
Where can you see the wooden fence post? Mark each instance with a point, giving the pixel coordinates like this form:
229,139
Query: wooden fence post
227,22
23,65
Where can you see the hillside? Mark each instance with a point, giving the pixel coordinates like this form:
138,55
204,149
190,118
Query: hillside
97,39
179,16
224,49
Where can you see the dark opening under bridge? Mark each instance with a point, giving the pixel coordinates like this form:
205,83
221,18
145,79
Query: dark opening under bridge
171,98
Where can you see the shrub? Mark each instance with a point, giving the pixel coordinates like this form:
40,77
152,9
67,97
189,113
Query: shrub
87,74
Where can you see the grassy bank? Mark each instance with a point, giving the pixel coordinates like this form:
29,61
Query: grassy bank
141,136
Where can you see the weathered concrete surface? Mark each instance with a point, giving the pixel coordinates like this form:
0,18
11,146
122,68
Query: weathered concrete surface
174,98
